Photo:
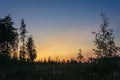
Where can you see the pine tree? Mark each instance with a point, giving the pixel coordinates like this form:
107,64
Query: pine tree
8,34
23,32
31,48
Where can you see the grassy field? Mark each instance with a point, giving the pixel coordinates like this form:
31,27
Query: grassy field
16,70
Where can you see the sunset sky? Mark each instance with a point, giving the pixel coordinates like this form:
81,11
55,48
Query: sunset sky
61,27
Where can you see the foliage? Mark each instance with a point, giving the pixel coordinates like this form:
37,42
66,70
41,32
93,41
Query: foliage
8,36
23,32
80,57
18,70
31,48
9,39
104,40
105,67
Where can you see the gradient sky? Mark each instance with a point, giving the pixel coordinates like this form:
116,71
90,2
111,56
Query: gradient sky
61,27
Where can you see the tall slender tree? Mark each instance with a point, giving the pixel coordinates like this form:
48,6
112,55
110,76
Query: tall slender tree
31,48
104,40
80,57
23,32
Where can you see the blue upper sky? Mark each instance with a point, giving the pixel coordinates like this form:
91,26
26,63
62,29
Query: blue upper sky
63,22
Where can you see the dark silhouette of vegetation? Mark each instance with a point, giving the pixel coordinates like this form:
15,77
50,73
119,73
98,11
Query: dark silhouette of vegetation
104,40
31,48
80,57
9,41
8,37
106,66
23,32
73,60
49,59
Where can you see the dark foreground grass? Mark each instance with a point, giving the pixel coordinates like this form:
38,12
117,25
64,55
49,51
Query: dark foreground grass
16,70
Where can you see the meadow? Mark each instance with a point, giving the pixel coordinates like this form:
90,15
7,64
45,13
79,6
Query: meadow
18,70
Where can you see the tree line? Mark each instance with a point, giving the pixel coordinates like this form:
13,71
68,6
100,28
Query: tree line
104,43
10,39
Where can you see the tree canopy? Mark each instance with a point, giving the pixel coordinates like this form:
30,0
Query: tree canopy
104,40
8,35
31,48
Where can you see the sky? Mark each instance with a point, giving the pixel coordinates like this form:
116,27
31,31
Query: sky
61,27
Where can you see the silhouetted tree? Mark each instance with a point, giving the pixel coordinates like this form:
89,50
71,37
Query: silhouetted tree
49,59
31,48
80,57
15,46
92,60
57,60
73,60
8,35
68,61
63,61
104,40
23,32
44,61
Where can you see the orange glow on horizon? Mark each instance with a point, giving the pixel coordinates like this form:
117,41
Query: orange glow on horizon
62,52
64,45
